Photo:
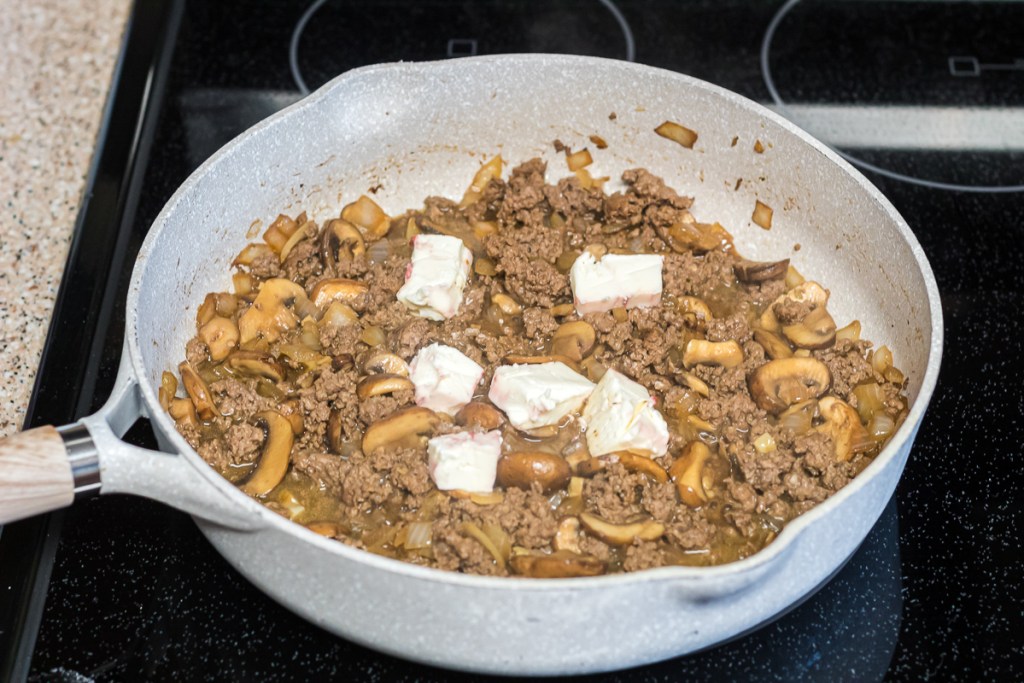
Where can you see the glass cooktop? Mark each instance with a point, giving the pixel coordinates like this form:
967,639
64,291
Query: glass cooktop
926,97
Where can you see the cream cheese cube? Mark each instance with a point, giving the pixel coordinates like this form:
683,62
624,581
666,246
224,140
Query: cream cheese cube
616,281
445,378
436,276
620,416
467,460
538,395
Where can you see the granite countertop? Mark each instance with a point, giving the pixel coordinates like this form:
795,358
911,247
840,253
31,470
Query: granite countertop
56,64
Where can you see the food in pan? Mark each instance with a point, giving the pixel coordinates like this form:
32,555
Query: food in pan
541,380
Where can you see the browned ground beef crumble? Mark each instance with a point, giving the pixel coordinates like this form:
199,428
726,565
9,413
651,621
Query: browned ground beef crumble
528,232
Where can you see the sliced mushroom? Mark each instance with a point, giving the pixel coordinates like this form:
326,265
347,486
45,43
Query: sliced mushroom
561,564
378,385
727,354
695,383
775,347
523,469
690,236
687,473
573,339
480,415
507,304
816,331
338,289
760,271
842,423
696,312
631,461
386,363
257,364
478,497
198,392
568,535
220,336
273,462
292,411
622,534
778,384
273,311
341,241
806,292
335,432
184,412
407,428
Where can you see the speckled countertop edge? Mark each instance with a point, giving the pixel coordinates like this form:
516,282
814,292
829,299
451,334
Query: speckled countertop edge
56,64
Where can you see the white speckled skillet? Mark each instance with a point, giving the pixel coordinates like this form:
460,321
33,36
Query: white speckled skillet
423,129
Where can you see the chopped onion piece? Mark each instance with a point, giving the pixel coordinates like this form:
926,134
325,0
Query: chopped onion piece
851,331
578,160
677,133
365,213
489,171
279,231
762,215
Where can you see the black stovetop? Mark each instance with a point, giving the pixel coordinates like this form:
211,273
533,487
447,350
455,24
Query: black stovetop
927,94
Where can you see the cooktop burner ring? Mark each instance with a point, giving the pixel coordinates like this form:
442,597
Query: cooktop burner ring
300,26
783,107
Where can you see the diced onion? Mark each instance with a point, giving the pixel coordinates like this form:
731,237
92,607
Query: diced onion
279,231
882,359
302,233
764,443
489,171
372,336
365,213
851,331
477,533
415,535
793,278
580,159
250,253
677,133
762,215
339,315
242,283
881,426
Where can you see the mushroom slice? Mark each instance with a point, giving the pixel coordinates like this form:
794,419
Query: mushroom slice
480,415
760,271
273,311
338,289
403,428
184,412
631,461
775,347
386,363
292,411
816,331
220,335
778,384
341,241
568,535
842,423
521,470
573,339
507,304
806,292
622,534
690,236
550,358
696,312
378,385
273,463
257,364
335,432
728,354
561,564
687,473
198,392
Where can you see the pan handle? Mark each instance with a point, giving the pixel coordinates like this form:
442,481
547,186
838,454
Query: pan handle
47,468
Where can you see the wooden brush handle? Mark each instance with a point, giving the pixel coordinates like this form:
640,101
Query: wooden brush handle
35,474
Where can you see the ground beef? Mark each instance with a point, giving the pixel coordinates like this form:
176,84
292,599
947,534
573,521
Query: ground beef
529,227
303,262
266,266
848,365
524,201
244,442
196,351
238,400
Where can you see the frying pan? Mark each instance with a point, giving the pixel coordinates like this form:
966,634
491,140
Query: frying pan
423,129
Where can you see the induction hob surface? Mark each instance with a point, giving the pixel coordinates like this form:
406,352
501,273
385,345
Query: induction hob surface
925,96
